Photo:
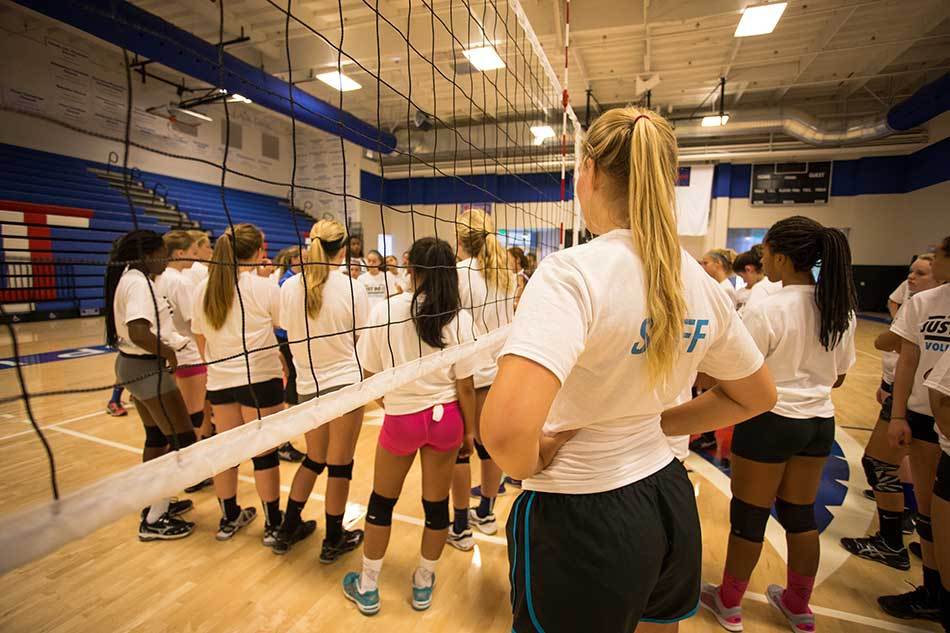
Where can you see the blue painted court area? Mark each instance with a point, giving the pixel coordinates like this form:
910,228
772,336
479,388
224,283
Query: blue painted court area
52,357
831,490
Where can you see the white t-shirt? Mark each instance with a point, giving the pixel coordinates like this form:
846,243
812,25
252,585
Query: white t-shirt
583,317
376,287
261,300
785,327
763,289
889,359
742,296
939,381
726,285
180,292
133,301
374,344
924,320
901,294
490,309
196,273
334,357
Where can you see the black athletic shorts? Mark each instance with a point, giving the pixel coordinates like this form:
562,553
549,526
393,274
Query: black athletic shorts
942,483
772,438
888,401
604,562
270,393
922,427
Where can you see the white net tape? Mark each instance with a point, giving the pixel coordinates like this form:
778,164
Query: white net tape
40,530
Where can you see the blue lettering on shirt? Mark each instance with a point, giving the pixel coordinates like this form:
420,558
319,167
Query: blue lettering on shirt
693,333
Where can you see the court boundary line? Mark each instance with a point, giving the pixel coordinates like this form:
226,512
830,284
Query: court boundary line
354,508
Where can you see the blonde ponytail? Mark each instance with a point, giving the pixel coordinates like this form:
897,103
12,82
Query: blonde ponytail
637,149
476,234
229,250
327,237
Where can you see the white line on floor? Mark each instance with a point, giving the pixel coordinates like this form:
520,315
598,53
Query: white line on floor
51,426
355,509
876,357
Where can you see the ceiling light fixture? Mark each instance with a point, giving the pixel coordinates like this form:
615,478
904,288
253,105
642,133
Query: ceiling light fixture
760,19
715,120
484,58
542,133
236,98
337,80
192,113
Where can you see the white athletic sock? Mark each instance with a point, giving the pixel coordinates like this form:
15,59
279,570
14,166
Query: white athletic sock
425,572
369,577
156,510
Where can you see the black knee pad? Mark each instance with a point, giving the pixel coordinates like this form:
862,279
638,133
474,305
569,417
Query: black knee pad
482,451
795,518
437,514
154,438
881,476
748,521
263,462
924,528
184,440
380,510
463,460
311,465
340,471
197,419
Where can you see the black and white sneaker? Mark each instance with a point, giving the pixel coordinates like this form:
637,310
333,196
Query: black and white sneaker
286,540
286,452
909,521
176,507
270,532
350,540
874,548
486,524
200,485
227,529
913,605
167,528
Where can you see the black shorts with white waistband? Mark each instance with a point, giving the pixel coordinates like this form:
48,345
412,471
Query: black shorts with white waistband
606,561
773,438
269,393
888,401
921,427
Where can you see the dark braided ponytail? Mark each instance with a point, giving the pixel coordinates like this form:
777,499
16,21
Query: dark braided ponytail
127,251
807,243
435,301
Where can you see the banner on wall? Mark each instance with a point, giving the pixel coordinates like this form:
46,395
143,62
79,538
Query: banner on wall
693,197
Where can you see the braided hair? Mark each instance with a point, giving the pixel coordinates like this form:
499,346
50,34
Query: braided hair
807,243
130,250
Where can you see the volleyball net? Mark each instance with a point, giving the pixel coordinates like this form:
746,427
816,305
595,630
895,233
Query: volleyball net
414,115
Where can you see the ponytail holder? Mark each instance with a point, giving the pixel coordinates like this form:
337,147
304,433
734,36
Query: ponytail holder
331,246
642,116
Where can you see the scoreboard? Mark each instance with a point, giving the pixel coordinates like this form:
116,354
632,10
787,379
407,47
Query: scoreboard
791,183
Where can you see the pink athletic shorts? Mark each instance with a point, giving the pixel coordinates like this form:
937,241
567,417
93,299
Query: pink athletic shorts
187,372
405,434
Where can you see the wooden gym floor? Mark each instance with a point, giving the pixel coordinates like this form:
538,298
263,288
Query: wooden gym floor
110,581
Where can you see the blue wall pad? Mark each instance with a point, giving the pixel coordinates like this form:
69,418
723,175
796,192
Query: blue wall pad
504,188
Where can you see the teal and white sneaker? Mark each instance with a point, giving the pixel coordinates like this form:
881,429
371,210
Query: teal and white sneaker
367,603
422,596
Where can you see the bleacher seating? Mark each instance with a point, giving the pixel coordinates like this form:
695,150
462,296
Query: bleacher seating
58,220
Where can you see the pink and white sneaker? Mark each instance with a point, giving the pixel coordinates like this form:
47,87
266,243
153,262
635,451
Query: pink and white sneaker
799,622
729,618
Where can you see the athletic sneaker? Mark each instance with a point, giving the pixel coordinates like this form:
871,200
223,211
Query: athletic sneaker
913,605
914,549
703,443
116,410
200,485
176,507
286,540
167,528
729,618
227,529
874,548
367,603
511,481
422,596
485,525
909,522
288,453
462,541
868,494
350,540
270,532
477,490
800,622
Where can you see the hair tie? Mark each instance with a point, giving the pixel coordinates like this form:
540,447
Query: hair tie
332,246
634,124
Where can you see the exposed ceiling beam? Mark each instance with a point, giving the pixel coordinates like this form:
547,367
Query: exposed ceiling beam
821,42
926,22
